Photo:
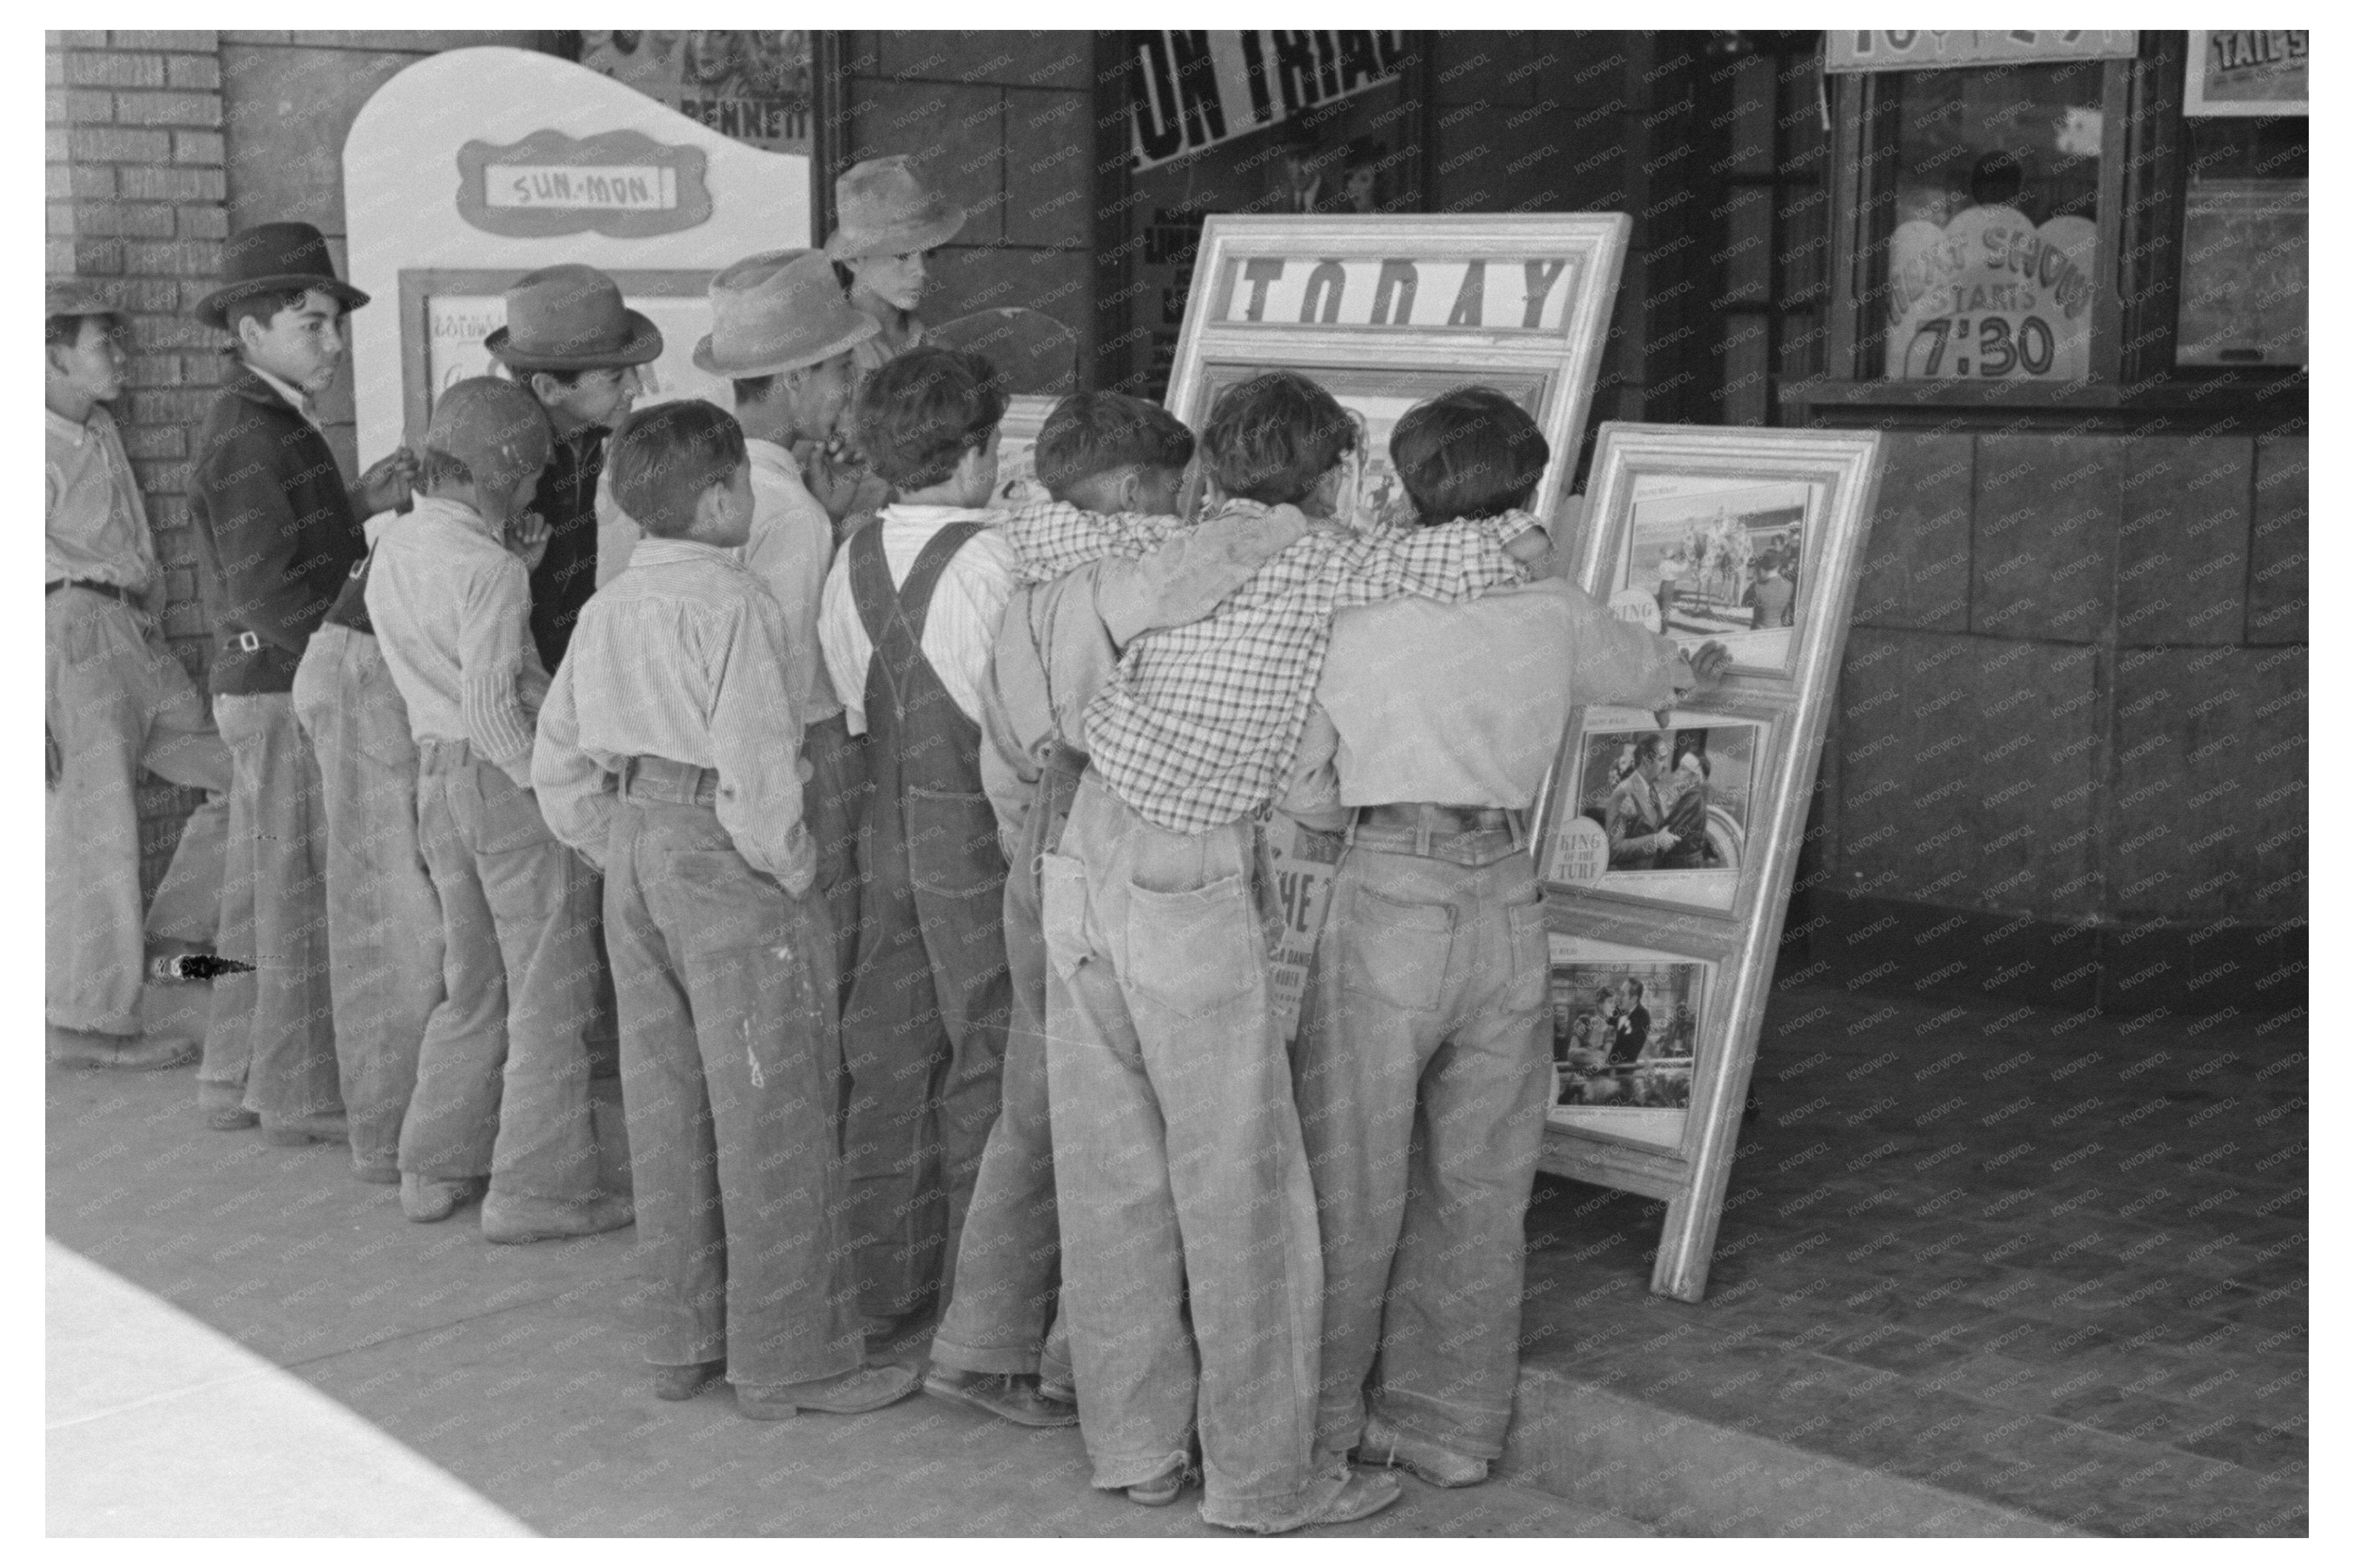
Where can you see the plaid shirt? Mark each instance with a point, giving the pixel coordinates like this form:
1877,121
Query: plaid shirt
1199,723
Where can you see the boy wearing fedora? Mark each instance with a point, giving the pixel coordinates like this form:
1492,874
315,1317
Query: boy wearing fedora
117,702
887,222
782,332
277,534
503,1072
910,621
574,345
666,752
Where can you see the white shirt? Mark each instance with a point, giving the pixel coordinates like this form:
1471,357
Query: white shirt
789,549
960,627
296,398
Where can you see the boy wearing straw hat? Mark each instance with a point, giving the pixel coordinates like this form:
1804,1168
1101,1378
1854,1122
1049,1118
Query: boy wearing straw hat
277,533
117,702
782,333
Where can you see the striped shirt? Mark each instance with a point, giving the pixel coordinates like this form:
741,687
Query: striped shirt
451,607
1198,724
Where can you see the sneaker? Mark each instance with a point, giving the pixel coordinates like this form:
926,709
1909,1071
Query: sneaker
853,1393
1012,1396
1384,1444
425,1200
231,1118
1363,1493
1161,1490
515,1220
687,1382
294,1131
120,1053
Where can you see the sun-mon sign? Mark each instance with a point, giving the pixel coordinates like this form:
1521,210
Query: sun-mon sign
623,182
1195,90
1503,294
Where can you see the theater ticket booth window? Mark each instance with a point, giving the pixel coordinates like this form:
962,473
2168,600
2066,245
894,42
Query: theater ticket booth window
2058,232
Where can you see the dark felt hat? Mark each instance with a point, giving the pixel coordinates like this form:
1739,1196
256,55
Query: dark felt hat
571,317
274,257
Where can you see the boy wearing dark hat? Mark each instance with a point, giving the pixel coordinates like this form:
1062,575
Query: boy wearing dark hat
117,702
782,332
1423,1068
277,533
666,751
576,347
910,618
503,1072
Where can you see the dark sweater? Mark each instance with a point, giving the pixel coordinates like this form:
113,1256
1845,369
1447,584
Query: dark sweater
567,574
276,539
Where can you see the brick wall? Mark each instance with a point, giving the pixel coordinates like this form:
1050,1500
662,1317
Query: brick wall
1003,123
137,206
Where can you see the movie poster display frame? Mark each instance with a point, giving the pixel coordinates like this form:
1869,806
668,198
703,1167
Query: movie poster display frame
1372,256
1793,703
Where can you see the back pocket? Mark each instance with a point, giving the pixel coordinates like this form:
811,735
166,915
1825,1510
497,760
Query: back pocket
1195,951
1395,950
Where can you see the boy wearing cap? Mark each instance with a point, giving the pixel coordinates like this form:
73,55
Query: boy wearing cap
1423,1068
117,702
503,1072
910,617
277,533
666,751
1123,460
782,332
572,343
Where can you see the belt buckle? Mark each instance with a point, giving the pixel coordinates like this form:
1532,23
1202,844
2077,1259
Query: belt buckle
248,642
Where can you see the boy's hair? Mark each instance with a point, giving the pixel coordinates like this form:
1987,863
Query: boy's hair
666,457
752,388
1095,432
65,330
264,308
920,413
1271,438
561,377
1471,452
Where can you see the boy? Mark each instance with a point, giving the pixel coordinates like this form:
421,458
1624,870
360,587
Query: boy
383,919
666,752
276,534
782,333
503,1071
1177,1152
117,702
910,614
1106,454
1428,1007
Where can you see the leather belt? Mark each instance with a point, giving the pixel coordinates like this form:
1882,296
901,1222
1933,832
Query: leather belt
658,779
114,591
1063,758
1415,815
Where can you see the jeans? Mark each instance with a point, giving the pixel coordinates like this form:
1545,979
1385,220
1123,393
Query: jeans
1422,1079
383,919
1001,1316
1182,1182
117,703
728,1077
270,1045
502,1072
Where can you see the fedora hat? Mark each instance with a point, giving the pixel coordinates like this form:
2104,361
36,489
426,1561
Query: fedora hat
274,257
779,311
882,207
72,297
571,317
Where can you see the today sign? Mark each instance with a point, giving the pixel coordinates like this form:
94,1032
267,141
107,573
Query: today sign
1501,294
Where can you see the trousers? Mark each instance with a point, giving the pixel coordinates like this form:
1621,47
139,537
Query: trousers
503,1071
383,919
1001,1315
1422,1080
117,703
725,990
1181,1183
270,1045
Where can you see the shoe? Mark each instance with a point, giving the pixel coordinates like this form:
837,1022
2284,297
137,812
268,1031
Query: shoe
1368,1492
231,1118
328,1127
1060,1392
378,1175
1161,1490
853,1393
425,1200
1012,1396
687,1382
514,1220
1384,1444
121,1053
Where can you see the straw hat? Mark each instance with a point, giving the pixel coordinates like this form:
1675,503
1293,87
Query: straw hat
571,317
274,257
882,207
779,311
